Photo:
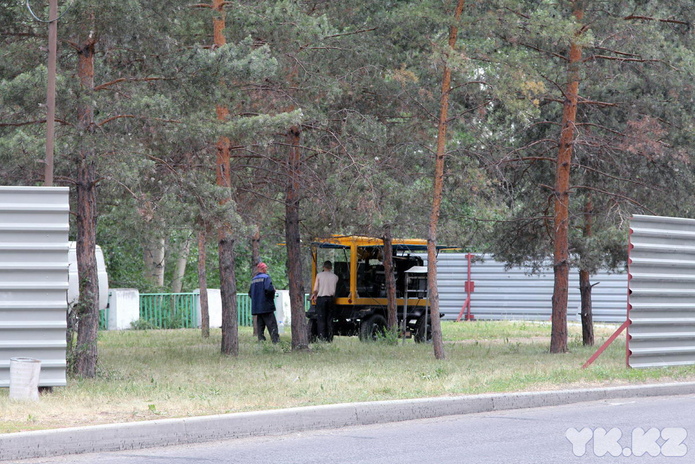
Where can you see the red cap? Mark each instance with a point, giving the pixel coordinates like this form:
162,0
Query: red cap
262,267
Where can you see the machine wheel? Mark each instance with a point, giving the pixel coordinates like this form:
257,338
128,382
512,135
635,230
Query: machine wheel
423,330
372,327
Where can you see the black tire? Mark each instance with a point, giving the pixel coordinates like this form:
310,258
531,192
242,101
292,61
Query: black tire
372,328
423,330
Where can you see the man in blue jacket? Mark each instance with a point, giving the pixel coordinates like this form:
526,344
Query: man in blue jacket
262,295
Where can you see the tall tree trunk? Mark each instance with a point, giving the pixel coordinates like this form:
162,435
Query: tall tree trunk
255,248
585,282
391,306
203,282
87,308
154,256
230,325
432,289
51,90
181,261
227,261
255,259
586,309
300,338
561,265
88,302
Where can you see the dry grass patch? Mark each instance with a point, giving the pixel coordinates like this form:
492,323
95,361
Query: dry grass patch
146,375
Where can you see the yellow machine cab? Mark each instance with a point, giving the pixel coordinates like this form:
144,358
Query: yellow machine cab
360,306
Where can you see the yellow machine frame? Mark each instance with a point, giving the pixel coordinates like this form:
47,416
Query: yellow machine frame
353,243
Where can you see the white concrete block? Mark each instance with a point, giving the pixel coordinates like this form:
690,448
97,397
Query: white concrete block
283,312
214,307
124,308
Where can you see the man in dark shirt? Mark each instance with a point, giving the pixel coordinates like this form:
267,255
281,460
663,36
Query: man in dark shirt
262,295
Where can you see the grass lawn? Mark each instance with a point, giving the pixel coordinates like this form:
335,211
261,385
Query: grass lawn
146,375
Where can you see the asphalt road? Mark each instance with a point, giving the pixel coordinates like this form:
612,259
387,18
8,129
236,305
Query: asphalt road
656,429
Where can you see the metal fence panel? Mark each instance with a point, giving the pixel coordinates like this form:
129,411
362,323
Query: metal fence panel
661,292
517,293
243,305
179,310
169,310
34,279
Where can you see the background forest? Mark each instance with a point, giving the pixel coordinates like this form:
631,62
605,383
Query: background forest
328,112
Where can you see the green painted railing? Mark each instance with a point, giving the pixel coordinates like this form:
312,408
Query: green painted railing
180,310
243,310
169,310
103,319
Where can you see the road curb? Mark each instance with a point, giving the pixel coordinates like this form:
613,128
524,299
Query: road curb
138,435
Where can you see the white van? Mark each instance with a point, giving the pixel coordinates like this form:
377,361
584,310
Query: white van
73,278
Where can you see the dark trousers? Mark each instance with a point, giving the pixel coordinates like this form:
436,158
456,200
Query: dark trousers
264,320
324,317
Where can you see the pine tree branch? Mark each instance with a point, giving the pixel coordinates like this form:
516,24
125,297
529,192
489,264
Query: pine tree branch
113,118
601,127
19,124
527,158
582,101
124,79
65,180
456,87
527,219
613,194
351,33
207,5
18,34
27,123
518,13
648,18
132,116
610,176
536,142
164,163
616,52
540,50
618,58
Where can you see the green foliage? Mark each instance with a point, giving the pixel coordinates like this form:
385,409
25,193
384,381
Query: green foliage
142,324
260,129
361,80
621,153
388,337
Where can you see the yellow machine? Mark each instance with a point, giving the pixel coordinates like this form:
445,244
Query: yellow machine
361,302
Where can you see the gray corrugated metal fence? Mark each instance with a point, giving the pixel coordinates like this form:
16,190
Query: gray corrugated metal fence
34,279
662,292
516,293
